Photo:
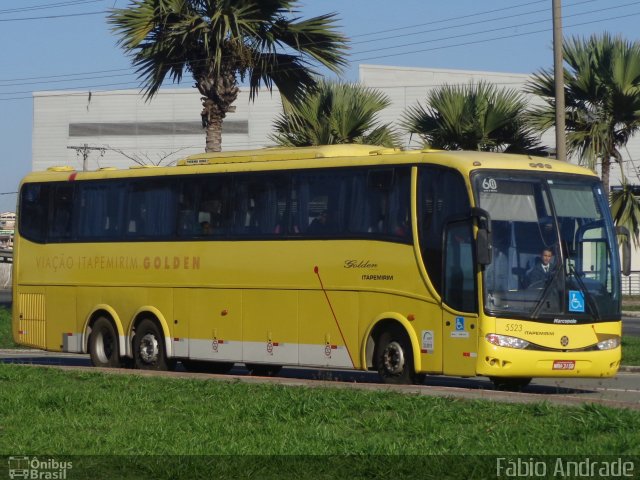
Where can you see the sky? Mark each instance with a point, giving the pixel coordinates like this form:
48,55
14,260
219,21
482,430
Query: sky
67,45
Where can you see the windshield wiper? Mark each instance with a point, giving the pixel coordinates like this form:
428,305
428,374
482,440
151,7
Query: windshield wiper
543,296
590,301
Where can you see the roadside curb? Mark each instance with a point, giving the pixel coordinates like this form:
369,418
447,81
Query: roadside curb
629,368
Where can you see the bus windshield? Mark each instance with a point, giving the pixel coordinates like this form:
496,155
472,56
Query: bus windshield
554,249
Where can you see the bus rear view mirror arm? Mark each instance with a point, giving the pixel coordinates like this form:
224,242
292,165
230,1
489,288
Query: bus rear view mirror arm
483,242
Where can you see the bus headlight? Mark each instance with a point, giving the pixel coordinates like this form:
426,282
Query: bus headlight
609,344
506,341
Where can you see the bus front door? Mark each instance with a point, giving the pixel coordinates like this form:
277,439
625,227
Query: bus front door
459,301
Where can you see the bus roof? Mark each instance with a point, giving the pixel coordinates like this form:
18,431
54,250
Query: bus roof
279,158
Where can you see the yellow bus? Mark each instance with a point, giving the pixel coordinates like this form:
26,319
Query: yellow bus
343,257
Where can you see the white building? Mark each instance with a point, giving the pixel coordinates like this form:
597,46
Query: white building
120,125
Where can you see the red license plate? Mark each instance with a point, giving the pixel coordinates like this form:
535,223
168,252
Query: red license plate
564,364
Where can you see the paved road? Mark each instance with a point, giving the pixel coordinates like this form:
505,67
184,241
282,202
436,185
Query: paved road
5,296
631,326
620,391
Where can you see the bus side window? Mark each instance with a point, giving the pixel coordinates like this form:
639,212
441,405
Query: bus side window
61,210
34,205
99,210
151,210
442,194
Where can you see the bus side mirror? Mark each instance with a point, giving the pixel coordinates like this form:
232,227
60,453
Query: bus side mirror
484,244
626,250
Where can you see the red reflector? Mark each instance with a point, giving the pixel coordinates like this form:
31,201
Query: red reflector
466,354
564,365
72,177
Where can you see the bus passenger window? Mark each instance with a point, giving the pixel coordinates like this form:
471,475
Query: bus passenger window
442,195
34,205
61,208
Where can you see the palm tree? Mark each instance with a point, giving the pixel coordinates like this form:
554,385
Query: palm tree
334,113
473,117
602,96
225,42
625,209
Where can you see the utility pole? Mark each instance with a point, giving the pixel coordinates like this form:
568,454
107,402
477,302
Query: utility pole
84,150
558,75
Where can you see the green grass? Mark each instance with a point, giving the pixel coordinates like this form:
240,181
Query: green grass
56,413
6,338
631,303
631,351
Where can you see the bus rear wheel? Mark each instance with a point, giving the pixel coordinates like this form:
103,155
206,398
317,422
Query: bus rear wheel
103,344
394,358
148,347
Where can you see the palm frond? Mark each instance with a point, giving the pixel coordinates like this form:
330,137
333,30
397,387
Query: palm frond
473,117
625,209
334,113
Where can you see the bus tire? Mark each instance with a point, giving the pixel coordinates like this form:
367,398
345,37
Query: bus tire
263,370
511,384
203,366
148,347
103,344
394,357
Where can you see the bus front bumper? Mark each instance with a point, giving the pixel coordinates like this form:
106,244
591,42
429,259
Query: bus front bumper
494,361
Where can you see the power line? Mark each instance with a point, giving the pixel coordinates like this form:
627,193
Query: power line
444,20
503,37
373,33
491,30
129,84
378,56
49,17
84,150
506,17
48,6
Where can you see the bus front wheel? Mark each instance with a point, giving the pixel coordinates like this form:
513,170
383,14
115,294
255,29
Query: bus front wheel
148,347
103,344
394,358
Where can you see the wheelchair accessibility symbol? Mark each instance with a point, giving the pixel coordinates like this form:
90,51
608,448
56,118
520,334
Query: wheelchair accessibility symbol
576,301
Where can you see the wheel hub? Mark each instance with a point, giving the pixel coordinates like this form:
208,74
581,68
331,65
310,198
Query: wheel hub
149,348
393,358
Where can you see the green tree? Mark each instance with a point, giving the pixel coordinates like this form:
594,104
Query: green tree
625,209
225,42
334,113
473,117
602,97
